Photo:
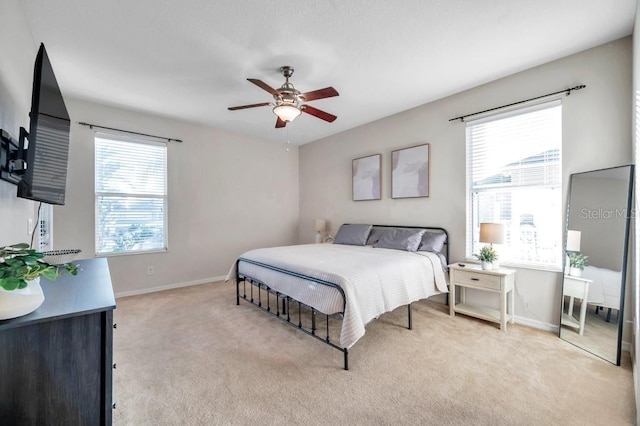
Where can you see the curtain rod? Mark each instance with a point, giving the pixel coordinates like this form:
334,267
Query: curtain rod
91,126
567,91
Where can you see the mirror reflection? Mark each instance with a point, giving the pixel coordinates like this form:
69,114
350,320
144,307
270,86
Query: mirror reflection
596,239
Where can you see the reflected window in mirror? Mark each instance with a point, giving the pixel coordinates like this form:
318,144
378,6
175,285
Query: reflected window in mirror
514,177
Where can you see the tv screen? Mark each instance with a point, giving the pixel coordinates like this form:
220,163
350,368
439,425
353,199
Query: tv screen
47,144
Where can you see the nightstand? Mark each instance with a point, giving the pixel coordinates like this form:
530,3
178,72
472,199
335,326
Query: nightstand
500,281
575,288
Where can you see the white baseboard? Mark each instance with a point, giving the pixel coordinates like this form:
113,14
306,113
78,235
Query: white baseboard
536,324
626,346
169,286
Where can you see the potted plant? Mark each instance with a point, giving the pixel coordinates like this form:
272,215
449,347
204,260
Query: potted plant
20,270
487,256
577,262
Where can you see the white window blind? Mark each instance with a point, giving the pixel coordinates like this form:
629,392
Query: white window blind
514,177
131,195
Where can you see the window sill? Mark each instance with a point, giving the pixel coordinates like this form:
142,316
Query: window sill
129,253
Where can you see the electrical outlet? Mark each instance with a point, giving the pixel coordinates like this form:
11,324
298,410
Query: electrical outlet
150,270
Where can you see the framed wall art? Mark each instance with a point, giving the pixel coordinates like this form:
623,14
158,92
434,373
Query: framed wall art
365,172
410,172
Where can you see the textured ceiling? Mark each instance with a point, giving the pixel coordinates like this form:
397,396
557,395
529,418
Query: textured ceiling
189,59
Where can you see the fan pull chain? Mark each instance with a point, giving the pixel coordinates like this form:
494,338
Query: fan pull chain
288,141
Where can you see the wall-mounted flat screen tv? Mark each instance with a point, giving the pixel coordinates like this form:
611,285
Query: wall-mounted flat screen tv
47,144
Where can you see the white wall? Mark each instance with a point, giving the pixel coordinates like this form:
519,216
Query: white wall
596,134
17,54
227,193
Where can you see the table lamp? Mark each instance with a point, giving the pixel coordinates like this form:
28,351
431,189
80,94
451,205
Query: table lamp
573,241
319,225
573,246
492,233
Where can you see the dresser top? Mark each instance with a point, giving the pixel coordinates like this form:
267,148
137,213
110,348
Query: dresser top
72,295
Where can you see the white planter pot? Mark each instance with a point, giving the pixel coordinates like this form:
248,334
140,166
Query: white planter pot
575,272
17,303
486,265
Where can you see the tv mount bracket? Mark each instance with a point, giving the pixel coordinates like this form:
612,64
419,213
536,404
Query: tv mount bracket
12,156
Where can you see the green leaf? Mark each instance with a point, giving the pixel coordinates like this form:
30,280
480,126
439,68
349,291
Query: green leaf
14,262
11,283
72,269
49,273
20,246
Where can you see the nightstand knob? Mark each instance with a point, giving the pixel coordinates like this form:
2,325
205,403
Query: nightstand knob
475,279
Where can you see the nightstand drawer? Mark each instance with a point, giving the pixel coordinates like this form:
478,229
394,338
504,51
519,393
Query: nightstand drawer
479,280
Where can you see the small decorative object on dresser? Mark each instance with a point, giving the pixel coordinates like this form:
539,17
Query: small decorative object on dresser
501,281
20,270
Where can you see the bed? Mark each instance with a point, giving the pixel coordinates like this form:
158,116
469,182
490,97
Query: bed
604,290
368,270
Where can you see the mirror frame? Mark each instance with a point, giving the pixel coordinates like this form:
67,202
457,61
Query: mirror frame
625,255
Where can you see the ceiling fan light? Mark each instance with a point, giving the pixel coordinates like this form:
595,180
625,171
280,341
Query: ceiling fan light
286,113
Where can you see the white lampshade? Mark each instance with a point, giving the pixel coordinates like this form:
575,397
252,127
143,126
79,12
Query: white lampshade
319,225
573,240
286,113
492,233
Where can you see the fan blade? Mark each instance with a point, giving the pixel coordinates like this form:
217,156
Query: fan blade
248,106
261,84
280,123
318,113
327,92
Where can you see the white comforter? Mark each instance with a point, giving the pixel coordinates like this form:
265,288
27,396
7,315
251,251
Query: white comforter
605,289
375,280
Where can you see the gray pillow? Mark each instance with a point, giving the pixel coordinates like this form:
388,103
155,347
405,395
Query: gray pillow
433,241
374,235
400,239
352,234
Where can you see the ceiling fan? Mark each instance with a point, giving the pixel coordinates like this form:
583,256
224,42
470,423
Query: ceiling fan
289,101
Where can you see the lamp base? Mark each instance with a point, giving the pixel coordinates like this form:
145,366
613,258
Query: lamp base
318,237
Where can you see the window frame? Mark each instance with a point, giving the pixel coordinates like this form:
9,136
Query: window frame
471,235
164,197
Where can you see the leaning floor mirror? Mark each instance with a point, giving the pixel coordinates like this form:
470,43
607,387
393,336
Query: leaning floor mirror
596,246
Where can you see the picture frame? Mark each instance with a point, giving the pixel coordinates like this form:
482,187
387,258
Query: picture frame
410,172
365,178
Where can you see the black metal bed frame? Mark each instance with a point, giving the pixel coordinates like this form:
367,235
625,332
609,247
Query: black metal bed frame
284,313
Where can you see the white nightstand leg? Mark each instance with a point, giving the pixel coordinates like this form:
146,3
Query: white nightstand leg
513,306
503,311
571,306
583,315
452,299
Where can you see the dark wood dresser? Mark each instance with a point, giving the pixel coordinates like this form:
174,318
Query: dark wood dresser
56,363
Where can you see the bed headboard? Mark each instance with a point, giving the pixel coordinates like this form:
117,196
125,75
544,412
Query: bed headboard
445,247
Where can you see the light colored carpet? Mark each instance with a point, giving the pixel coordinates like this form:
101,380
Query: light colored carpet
190,356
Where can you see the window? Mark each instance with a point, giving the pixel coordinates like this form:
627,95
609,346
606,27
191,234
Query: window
131,195
514,177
